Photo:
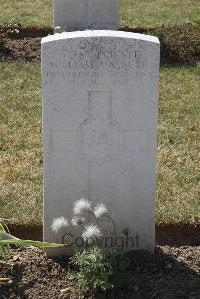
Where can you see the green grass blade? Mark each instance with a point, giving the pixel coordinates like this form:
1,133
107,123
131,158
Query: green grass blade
30,243
2,229
3,226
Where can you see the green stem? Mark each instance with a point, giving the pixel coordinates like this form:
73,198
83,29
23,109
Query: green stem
5,256
5,250
114,226
94,218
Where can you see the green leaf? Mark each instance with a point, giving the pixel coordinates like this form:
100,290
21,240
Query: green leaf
5,236
30,243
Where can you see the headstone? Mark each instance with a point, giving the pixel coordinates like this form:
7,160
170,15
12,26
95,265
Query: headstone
72,15
100,102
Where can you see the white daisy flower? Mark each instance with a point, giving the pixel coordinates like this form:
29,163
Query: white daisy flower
76,221
81,205
100,210
91,233
59,225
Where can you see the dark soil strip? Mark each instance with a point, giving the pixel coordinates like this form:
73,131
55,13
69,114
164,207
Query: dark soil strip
179,44
174,234
166,234
17,31
27,232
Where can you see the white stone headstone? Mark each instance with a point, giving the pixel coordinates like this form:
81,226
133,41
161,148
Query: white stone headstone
72,15
100,102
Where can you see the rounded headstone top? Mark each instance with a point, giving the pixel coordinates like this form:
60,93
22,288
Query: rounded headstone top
100,33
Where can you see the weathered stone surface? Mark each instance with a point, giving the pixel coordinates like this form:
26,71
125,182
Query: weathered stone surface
75,15
100,102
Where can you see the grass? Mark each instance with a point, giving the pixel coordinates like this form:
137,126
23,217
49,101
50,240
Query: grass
133,12
178,196
151,13
178,190
20,143
26,12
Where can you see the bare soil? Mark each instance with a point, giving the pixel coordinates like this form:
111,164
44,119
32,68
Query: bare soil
27,49
171,273
21,43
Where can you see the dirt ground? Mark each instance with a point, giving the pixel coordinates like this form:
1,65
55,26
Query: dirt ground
21,43
173,272
27,50
178,45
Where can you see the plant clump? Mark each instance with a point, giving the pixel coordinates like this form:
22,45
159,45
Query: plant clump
93,265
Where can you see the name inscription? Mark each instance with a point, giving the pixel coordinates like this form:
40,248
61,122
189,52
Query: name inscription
90,61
